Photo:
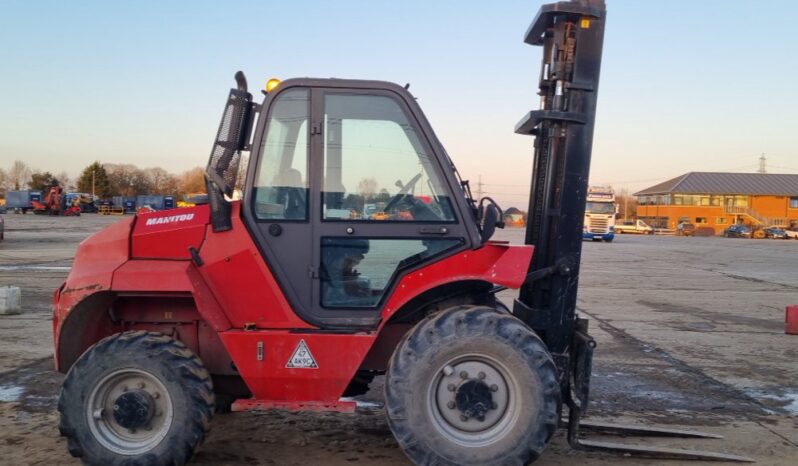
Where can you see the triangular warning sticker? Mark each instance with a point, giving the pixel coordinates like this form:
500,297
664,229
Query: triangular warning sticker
302,359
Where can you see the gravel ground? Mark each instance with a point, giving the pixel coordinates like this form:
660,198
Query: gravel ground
690,333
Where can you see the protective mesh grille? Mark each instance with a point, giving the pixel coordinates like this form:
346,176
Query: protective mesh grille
225,156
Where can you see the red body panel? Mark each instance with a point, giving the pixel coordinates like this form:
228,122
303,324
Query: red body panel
234,290
168,234
337,356
152,276
242,283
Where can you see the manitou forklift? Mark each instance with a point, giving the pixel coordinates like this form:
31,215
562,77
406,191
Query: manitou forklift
356,251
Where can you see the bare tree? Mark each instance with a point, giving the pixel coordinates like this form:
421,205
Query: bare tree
3,180
192,181
367,187
65,180
161,181
18,175
127,180
627,204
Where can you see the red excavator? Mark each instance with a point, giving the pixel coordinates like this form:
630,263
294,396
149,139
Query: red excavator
296,297
55,203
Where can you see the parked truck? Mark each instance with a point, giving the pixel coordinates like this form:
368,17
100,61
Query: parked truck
638,227
600,213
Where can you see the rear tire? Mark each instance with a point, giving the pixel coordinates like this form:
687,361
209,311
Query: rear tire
472,386
136,398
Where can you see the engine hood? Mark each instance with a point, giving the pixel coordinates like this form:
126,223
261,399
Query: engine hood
168,234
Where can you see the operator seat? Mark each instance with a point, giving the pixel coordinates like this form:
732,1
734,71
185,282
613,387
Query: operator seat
341,283
291,193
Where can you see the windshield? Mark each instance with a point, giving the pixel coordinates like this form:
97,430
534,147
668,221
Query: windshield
600,208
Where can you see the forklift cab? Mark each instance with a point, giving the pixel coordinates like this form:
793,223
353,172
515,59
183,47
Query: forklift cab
347,189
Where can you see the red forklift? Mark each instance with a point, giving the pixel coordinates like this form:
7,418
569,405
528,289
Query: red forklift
356,251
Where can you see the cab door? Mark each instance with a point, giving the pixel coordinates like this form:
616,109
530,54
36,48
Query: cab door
279,201
345,194
385,207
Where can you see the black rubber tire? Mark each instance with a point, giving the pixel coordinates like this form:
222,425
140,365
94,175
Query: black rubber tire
176,367
469,330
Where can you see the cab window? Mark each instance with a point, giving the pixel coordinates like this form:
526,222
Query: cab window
356,272
281,189
375,165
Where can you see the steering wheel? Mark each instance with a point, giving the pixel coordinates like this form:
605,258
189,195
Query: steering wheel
403,193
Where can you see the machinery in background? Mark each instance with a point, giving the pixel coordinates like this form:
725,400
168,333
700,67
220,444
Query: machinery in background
56,203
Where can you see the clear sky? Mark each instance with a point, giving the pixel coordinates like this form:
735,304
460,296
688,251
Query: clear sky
686,85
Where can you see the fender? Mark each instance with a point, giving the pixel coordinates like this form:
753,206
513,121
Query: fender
497,263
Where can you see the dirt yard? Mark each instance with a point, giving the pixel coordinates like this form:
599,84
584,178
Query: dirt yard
690,333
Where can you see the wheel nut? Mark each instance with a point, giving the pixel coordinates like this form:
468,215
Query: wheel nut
450,405
451,387
98,413
116,407
158,413
481,375
463,417
156,395
494,405
494,388
124,388
448,370
141,385
481,418
463,374
132,431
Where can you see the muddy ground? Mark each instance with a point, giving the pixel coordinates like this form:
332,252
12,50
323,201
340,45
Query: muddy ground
690,333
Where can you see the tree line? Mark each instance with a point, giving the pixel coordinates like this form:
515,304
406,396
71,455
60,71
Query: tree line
104,180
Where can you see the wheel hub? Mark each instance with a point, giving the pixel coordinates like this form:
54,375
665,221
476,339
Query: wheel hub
129,411
472,396
473,399
134,409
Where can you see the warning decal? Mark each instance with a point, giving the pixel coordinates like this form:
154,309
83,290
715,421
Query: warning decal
302,359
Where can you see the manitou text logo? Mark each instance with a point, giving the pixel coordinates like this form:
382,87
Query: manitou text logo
172,219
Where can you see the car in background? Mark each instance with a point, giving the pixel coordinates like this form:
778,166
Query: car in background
738,231
637,227
685,229
791,233
775,233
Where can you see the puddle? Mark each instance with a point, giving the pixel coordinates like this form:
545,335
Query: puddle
787,399
10,393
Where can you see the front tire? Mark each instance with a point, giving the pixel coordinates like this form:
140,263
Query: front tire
136,398
472,386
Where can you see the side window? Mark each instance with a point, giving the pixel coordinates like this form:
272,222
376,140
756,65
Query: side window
355,272
375,166
281,189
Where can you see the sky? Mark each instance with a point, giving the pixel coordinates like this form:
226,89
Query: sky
686,85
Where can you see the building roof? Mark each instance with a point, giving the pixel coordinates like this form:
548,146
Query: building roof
727,183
